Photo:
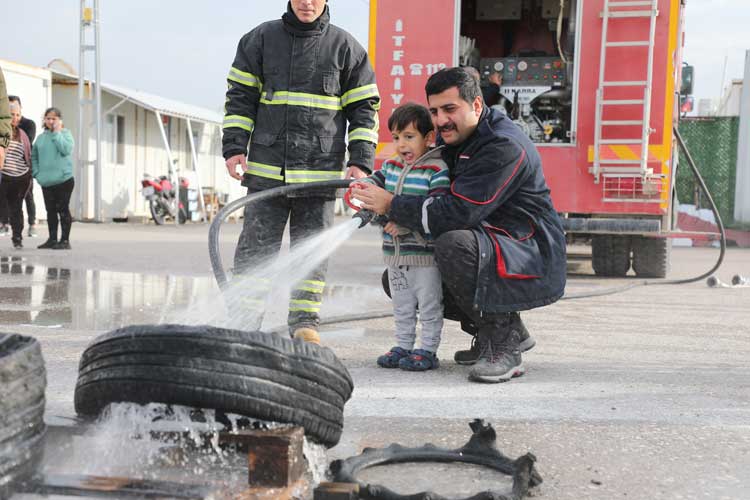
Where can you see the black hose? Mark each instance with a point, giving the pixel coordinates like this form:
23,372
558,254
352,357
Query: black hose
719,223
221,278
213,231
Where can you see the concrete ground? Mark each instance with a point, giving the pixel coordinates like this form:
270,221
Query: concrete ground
642,394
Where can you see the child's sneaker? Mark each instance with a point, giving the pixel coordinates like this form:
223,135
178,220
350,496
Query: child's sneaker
419,361
391,358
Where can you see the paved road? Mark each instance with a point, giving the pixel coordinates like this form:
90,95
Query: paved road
643,394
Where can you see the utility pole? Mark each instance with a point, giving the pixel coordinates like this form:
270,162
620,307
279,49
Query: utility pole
742,187
89,42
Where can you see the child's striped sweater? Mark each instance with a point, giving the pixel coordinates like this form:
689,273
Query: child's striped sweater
428,176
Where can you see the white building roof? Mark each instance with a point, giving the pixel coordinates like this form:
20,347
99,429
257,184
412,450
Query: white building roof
153,102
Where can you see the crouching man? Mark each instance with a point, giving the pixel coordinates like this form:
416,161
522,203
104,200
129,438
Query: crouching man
499,242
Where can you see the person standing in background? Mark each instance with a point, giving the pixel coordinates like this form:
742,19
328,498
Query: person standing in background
29,127
16,175
53,170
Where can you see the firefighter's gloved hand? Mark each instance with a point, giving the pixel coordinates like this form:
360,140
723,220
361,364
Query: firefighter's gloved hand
370,217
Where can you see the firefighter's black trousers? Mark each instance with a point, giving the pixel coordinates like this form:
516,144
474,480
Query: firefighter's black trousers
261,237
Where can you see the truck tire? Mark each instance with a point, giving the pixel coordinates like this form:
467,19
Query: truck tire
610,254
22,430
651,256
258,375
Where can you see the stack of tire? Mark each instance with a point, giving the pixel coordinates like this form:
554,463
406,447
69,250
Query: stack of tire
22,385
258,375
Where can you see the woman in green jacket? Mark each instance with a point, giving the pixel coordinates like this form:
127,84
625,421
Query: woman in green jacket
52,167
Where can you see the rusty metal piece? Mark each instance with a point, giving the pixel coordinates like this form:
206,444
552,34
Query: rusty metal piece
274,457
336,491
480,450
115,487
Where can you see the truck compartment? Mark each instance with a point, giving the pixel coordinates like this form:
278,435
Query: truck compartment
531,45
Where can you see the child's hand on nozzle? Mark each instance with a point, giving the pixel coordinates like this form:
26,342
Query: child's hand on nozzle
391,228
349,198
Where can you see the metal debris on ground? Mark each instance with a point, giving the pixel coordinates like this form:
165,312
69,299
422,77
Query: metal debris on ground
480,450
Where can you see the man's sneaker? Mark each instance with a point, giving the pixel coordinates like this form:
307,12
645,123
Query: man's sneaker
526,341
307,334
32,232
499,363
17,244
471,355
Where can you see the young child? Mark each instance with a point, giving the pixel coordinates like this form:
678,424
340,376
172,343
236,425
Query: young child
414,277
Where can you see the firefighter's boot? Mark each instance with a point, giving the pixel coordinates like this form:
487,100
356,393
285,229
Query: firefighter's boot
500,359
307,334
471,355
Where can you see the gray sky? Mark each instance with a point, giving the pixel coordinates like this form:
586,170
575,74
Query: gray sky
182,49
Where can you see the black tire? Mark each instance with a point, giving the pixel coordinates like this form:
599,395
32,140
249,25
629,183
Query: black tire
610,254
22,430
259,375
158,212
651,256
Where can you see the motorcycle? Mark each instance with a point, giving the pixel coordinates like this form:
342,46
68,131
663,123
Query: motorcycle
160,194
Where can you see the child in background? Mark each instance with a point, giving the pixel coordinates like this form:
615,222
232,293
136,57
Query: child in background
413,274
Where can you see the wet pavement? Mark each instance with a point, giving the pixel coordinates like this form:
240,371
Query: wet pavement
644,394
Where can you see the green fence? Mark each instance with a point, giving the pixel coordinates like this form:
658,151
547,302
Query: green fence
712,143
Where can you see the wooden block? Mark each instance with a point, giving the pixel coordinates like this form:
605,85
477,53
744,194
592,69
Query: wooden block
300,489
336,491
275,458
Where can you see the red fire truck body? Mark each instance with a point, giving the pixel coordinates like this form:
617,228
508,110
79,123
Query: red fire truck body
593,82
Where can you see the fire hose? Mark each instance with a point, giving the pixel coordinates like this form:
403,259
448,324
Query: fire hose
221,277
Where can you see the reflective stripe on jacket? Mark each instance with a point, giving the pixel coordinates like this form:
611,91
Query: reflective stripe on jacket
292,90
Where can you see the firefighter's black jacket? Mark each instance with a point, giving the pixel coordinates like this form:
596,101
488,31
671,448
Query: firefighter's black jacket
498,190
293,87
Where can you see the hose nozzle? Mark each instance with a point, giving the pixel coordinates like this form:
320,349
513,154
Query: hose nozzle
368,216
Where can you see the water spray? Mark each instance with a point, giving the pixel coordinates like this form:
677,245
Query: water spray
213,231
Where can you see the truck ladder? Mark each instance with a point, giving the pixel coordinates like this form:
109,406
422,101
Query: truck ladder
621,10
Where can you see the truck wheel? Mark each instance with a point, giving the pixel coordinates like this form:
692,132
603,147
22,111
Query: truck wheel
610,254
258,375
651,256
22,429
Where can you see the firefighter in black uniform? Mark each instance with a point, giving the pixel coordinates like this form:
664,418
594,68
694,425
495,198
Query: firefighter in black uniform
499,243
294,86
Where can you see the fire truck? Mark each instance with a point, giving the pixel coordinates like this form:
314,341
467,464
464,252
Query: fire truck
594,84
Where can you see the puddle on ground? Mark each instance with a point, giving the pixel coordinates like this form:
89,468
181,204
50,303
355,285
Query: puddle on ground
57,297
